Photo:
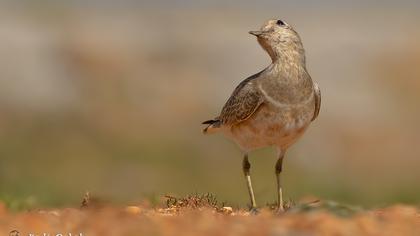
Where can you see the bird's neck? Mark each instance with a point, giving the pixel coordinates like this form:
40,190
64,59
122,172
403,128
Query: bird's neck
288,61
288,55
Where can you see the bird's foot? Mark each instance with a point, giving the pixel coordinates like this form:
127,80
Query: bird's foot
279,210
254,211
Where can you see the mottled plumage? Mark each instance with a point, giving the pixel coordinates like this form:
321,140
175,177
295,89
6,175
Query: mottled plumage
275,106
243,102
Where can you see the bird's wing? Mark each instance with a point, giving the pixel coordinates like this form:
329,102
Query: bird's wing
317,100
243,102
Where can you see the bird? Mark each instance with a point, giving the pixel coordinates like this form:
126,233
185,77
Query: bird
274,107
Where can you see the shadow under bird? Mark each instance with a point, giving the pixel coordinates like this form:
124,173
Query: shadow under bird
273,107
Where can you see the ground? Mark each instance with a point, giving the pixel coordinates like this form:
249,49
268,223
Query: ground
203,215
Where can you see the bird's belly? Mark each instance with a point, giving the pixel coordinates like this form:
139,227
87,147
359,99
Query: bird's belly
271,126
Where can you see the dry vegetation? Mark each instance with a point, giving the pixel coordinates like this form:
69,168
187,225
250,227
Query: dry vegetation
204,215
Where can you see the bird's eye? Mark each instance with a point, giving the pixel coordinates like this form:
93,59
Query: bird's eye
280,23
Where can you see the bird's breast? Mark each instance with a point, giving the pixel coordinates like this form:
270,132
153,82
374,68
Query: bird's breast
271,125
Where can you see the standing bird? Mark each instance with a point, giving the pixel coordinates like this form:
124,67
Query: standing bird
273,107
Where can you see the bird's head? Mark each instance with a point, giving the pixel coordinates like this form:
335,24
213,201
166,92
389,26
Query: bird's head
279,39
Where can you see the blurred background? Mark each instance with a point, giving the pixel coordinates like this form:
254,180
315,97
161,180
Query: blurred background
108,96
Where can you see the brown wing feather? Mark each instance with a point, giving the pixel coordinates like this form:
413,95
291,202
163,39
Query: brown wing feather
317,101
243,102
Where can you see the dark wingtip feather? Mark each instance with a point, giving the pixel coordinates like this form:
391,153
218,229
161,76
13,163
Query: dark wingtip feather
208,122
211,125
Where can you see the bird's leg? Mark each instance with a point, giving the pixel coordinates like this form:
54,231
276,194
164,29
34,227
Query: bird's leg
246,166
278,168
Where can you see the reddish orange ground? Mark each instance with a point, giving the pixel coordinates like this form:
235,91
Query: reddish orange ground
185,219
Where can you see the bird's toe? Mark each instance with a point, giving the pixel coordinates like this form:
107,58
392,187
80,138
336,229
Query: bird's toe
254,211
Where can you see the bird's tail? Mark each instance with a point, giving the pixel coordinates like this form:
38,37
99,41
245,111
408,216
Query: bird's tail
212,126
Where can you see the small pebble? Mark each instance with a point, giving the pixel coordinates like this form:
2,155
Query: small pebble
133,210
227,210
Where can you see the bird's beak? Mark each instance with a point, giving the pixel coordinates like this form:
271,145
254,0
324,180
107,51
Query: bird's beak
256,33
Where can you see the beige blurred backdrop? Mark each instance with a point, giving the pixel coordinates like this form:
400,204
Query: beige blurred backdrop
108,96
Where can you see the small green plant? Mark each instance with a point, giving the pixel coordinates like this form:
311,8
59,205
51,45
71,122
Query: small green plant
336,208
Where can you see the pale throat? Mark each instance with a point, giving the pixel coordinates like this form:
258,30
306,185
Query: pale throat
285,55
